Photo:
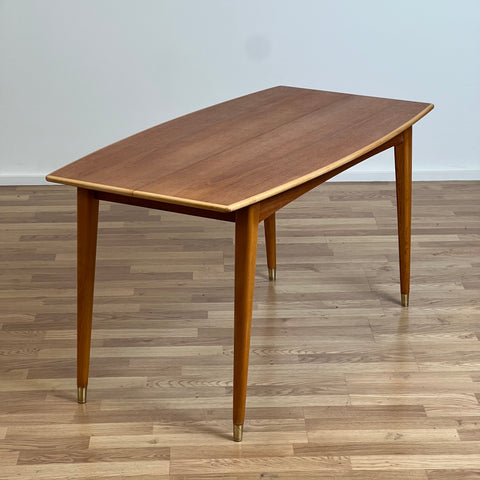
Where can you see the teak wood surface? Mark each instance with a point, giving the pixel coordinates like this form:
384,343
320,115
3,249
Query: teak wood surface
245,150
240,161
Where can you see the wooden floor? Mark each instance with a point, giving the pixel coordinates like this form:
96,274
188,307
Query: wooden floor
344,383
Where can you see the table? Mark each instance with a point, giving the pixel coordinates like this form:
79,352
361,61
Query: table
239,161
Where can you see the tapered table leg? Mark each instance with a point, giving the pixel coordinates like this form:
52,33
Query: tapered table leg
87,225
403,172
246,233
271,246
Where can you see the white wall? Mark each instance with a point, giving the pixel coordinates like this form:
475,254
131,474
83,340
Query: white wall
77,75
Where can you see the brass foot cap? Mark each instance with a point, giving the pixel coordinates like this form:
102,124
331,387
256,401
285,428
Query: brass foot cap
272,274
82,394
237,433
405,299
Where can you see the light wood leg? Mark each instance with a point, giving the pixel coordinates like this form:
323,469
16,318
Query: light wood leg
271,246
403,172
246,234
87,225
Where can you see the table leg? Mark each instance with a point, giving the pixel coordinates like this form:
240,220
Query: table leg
87,225
403,172
271,246
246,233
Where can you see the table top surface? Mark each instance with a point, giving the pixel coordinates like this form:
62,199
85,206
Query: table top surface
240,152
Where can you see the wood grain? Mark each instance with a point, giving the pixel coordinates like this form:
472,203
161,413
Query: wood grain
343,382
246,150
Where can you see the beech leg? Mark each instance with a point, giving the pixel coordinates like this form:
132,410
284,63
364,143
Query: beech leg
271,246
403,173
87,226
246,233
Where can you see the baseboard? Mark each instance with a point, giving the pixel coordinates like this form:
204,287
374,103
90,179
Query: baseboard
418,176
38,179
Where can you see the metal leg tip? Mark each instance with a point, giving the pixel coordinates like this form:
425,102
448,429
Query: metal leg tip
82,394
237,433
272,274
405,299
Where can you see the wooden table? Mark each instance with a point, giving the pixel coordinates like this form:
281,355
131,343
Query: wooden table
239,161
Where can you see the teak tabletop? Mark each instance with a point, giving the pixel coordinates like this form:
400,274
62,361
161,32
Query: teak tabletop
239,161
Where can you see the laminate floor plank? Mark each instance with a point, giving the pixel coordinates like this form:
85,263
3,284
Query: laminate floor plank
344,383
